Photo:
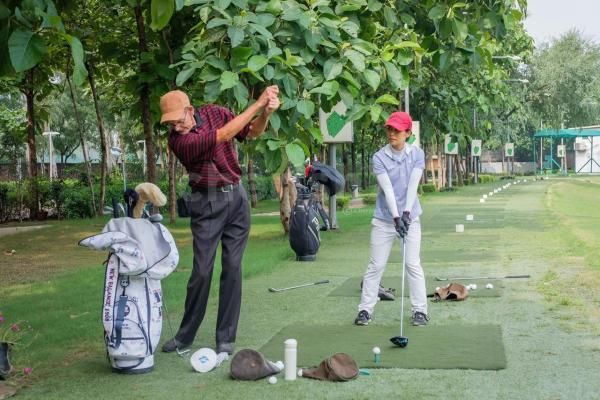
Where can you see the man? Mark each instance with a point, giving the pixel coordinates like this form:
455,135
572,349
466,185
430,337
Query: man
202,139
398,167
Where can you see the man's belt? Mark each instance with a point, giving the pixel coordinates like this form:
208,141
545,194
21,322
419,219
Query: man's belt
223,188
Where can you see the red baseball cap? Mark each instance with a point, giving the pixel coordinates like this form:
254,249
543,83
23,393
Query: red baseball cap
400,121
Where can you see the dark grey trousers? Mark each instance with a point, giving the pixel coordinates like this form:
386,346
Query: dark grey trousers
216,217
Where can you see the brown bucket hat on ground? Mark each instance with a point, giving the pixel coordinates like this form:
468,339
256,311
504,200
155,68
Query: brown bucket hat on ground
452,291
340,367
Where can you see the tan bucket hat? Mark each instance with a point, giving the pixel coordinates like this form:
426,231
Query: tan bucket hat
172,105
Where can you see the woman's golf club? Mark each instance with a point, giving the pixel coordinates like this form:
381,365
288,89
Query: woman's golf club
401,341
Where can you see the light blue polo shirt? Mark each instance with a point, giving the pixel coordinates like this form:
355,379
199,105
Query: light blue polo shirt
398,168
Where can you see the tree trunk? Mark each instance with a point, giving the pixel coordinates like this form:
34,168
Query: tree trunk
285,208
172,186
353,162
252,182
441,169
86,158
430,166
277,185
145,99
363,162
104,146
172,169
459,170
32,172
346,167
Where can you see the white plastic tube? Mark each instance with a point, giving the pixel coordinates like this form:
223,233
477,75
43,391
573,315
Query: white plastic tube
290,355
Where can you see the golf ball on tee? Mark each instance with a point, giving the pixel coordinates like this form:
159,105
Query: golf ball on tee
376,350
272,380
489,286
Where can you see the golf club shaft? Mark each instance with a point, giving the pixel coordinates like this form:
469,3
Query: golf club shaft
402,294
481,277
299,286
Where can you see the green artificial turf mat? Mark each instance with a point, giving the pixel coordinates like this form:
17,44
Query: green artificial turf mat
476,347
351,286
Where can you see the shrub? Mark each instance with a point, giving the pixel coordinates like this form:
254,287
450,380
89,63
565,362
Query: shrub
77,202
342,202
427,188
369,198
265,189
487,178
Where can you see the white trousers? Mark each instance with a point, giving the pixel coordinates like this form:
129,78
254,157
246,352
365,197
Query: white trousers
383,237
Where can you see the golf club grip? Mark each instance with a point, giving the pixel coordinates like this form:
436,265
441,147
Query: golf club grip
322,282
518,276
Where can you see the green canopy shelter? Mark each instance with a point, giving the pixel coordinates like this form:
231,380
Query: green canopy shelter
587,153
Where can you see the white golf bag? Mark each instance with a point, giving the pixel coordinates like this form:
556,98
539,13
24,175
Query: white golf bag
140,254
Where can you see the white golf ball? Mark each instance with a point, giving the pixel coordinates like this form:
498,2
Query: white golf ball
272,380
279,365
474,286
489,286
300,372
376,350
437,288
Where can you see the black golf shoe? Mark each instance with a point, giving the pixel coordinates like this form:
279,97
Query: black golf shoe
419,319
363,318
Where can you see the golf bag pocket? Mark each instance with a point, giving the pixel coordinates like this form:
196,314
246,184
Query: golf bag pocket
132,319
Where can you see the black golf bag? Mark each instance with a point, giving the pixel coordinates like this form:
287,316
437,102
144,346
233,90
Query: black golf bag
328,176
304,226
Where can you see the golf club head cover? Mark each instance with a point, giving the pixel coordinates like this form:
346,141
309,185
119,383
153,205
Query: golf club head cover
131,198
340,367
148,192
250,365
452,291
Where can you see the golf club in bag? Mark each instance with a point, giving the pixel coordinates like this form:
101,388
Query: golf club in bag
401,341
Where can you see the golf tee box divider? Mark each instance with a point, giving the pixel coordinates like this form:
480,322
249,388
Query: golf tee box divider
351,286
476,347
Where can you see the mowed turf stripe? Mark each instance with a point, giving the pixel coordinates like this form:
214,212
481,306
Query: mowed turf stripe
477,347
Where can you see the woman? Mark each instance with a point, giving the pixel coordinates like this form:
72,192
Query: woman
398,167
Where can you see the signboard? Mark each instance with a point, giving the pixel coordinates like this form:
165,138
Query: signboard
560,151
334,127
476,148
415,138
449,146
509,150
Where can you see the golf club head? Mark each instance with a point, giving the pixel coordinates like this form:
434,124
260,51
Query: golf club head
182,353
400,341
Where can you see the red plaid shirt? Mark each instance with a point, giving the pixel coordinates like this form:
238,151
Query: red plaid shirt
208,164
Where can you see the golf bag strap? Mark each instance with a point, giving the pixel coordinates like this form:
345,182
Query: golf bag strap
120,318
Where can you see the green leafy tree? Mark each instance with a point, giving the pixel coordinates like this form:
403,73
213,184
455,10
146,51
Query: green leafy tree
32,31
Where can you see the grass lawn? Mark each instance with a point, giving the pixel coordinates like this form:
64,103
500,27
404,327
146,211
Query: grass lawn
550,323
